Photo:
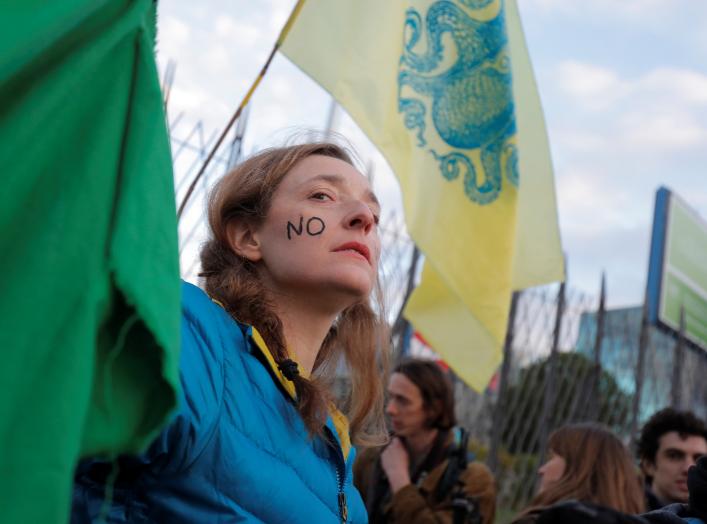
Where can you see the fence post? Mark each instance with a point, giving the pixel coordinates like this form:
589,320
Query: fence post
401,324
496,429
640,365
678,358
595,402
551,379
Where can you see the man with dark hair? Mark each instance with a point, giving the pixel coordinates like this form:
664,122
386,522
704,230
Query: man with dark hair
695,511
424,474
671,441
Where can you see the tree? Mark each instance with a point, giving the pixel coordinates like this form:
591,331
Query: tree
575,401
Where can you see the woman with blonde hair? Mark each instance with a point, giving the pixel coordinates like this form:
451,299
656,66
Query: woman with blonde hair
586,463
288,274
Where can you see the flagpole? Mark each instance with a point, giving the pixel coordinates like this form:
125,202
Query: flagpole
283,34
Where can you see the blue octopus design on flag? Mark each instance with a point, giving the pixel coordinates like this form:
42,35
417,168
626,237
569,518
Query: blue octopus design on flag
471,100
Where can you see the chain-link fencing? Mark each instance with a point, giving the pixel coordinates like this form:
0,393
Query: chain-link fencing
587,372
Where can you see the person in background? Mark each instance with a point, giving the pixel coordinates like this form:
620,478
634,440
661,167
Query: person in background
695,511
424,475
670,443
288,275
589,464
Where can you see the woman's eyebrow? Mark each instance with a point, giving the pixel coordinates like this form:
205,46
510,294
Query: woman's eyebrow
340,181
336,180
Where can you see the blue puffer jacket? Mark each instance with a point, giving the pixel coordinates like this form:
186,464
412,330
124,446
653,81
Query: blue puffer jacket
237,451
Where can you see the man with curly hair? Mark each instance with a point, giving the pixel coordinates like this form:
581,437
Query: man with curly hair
671,441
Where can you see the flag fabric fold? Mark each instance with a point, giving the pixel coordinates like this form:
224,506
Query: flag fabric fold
90,294
445,90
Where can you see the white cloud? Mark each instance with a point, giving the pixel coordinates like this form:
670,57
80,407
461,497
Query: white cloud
647,13
661,131
581,141
273,118
587,206
602,86
587,79
279,11
218,60
659,111
232,30
592,86
682,85
187,99
282,89
173,32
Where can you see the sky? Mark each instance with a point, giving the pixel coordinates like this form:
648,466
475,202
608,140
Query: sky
623,86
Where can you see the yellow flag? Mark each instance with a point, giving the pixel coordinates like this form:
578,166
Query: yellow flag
446,92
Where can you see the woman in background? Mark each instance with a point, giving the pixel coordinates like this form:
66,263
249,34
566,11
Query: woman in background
587,463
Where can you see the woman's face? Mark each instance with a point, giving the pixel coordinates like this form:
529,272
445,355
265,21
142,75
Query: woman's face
320,237
551,471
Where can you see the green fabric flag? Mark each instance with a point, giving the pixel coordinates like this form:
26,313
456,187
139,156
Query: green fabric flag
89,286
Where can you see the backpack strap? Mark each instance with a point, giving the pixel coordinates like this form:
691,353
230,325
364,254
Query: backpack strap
457,460
465,509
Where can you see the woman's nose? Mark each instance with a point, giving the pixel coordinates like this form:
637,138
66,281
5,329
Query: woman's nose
361,217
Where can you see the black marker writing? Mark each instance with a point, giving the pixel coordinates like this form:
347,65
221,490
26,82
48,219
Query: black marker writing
291,227
318,228
315,226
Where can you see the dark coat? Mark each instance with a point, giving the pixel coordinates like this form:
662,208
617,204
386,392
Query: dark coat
417,502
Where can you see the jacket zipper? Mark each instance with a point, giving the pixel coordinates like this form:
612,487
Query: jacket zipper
343,509
341,496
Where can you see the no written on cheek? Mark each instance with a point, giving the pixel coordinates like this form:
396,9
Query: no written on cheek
313,227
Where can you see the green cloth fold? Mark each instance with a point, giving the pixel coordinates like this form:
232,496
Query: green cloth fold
90,291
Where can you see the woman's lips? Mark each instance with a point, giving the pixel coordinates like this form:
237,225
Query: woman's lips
355,247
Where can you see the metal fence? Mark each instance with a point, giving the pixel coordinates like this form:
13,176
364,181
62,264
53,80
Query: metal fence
190,146
566,358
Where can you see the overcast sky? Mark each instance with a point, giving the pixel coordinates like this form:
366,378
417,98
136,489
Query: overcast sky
623,85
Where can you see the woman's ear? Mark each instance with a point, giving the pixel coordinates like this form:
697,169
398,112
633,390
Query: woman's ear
243,240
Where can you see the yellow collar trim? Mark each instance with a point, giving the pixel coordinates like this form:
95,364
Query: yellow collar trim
260,344
341,423
339,420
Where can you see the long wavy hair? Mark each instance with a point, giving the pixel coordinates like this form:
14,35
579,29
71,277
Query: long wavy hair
598,469
359,334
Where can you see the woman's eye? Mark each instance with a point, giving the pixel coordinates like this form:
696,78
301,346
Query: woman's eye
320,196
